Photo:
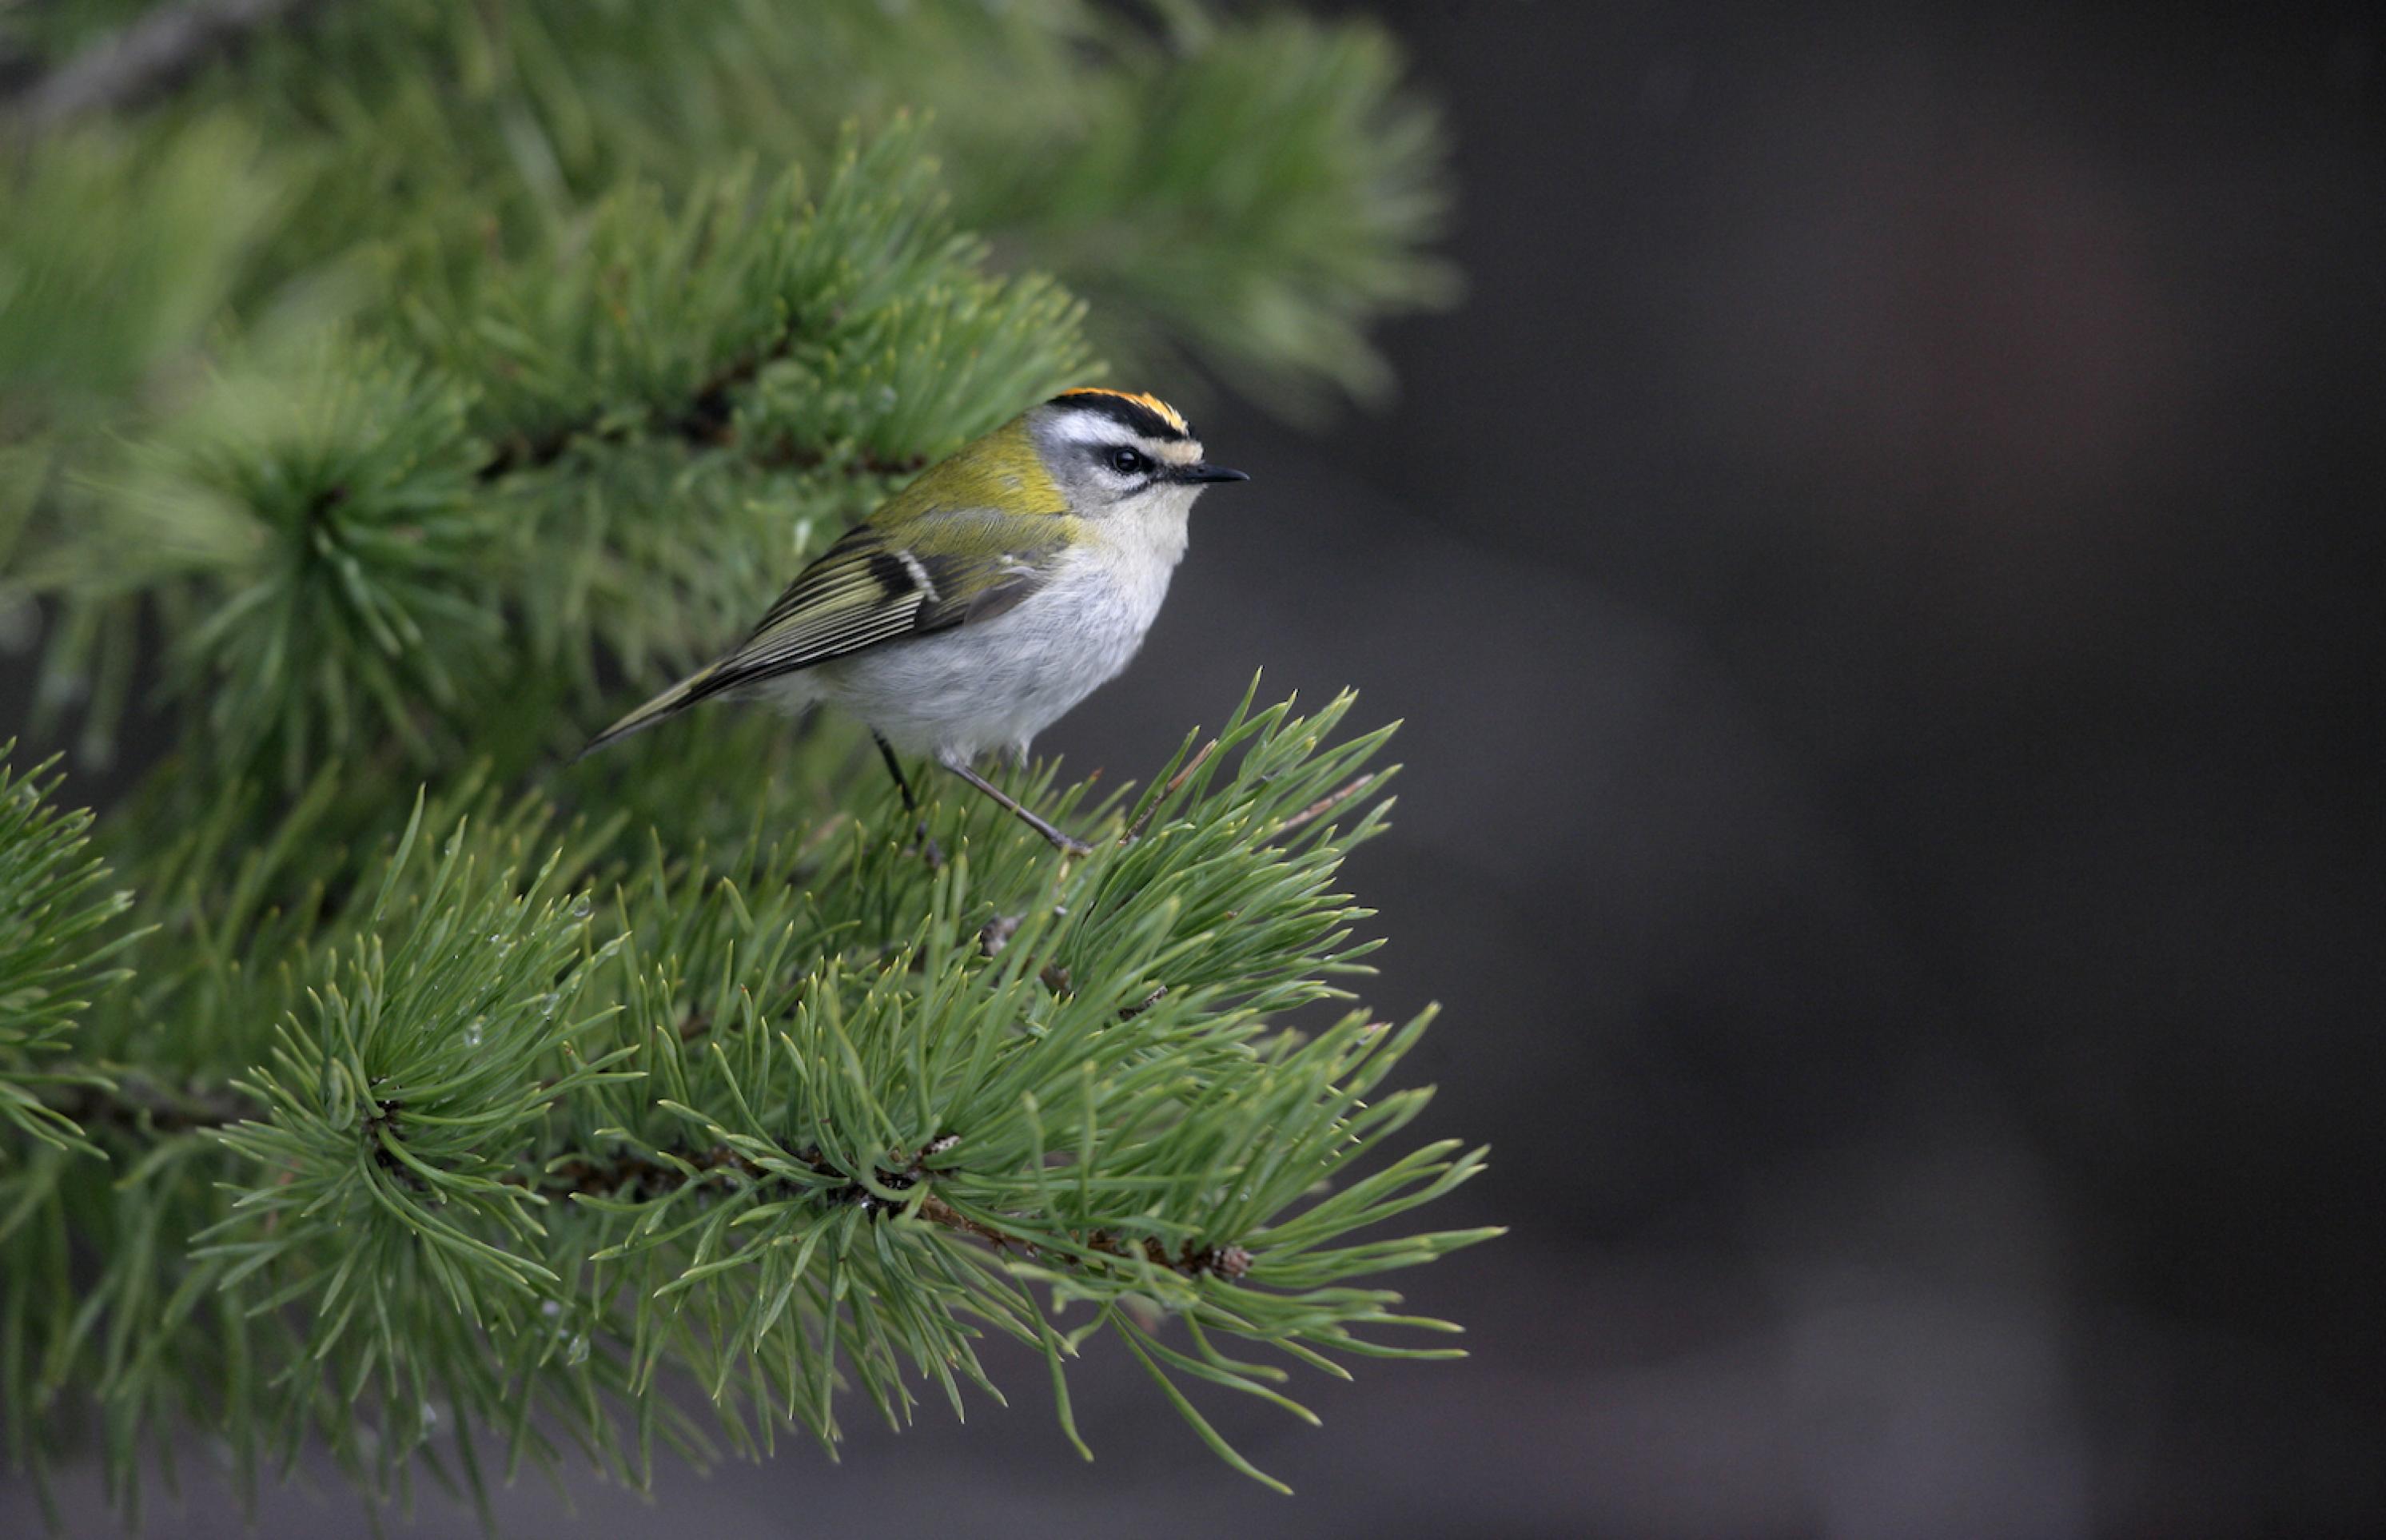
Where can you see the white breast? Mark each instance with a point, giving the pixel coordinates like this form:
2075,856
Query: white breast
993,685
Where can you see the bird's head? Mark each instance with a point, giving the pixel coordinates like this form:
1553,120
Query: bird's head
1118,455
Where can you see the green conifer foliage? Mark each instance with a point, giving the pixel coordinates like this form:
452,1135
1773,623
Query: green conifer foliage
397,395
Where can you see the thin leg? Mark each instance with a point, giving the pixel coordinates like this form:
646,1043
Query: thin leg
935,858
1059,841
895,768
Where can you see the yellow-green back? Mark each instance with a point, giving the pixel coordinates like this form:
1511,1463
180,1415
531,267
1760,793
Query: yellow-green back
999,471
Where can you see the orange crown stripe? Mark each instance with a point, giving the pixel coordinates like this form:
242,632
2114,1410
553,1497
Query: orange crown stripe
1166,413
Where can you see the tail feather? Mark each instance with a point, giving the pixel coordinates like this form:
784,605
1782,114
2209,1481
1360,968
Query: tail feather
686,692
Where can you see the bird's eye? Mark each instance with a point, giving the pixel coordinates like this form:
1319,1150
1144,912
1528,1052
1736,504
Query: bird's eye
1129,462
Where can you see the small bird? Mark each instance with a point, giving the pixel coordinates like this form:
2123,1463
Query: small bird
977,606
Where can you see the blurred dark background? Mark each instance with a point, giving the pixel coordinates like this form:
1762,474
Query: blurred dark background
1882,579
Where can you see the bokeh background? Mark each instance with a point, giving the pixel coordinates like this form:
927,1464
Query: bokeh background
1882,578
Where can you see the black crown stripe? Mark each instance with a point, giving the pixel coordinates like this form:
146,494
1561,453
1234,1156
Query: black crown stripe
1124,409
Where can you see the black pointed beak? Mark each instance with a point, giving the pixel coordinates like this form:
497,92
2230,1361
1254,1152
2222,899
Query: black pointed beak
1205,471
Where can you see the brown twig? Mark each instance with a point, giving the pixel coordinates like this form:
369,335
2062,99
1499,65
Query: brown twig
709,421
655,1177
133,1103
1320,807
1232,1261
935,1210
621,1173
138,63
1200,757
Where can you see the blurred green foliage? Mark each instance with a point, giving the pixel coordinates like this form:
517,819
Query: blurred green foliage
403,390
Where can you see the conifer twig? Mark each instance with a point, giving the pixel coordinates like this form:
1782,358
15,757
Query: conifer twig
130,1101
1321,807
654,1178
1175,783
336,1125
141,61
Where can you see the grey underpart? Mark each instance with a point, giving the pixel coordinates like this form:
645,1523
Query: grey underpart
991,685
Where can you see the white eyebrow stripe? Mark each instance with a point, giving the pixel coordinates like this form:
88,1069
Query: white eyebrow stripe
1097,430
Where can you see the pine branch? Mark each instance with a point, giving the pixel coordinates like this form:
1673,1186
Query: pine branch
143,61
628,1176
410,418
383,544
130,1106
54,924
519,1156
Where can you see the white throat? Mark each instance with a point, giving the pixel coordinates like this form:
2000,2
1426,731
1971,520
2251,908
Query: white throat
1154,528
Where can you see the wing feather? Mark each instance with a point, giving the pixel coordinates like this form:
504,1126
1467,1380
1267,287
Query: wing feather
862,590
865,590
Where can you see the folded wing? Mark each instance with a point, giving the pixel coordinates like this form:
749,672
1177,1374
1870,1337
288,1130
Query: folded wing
862,592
